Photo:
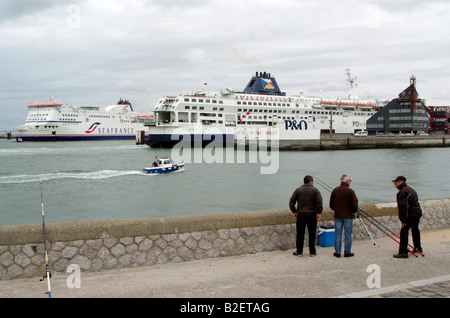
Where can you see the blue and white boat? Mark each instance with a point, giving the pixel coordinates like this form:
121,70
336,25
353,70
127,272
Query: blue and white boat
164,165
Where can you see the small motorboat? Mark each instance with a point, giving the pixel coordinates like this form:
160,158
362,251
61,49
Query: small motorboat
164,165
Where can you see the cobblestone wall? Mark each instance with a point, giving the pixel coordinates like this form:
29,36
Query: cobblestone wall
102,245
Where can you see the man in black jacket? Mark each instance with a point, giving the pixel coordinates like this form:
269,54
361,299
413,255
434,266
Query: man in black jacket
409,212
306,204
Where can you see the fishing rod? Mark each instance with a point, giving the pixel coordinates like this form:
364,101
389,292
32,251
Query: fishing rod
48,274
330,189
376,224
384,226
323,184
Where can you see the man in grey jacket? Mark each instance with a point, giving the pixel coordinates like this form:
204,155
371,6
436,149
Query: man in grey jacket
306,204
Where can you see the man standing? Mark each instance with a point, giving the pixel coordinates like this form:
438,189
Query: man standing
344,202
409,213
306,204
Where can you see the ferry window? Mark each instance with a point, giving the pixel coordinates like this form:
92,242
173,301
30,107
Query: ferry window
200,100
265,104
239,103
221,109
194,100
187,107
202,108
194,107
207,101
214,101
239,109
220,101
244,103
215,109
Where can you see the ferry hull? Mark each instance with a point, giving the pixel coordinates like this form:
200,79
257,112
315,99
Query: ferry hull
191,140
43,138
283,133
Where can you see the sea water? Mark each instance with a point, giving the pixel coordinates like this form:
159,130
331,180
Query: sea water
95,180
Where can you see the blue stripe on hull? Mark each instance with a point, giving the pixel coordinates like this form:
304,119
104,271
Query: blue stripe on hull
76,138
166,141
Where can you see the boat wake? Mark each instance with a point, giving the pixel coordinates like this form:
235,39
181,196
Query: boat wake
86,175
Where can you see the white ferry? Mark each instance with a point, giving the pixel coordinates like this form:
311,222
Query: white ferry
261,110
55,121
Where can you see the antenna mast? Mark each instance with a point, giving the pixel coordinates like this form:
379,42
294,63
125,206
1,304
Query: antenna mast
352,82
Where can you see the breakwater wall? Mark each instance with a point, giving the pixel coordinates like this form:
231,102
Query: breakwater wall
113,244
336,142
372,142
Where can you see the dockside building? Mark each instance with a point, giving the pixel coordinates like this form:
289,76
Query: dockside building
405,114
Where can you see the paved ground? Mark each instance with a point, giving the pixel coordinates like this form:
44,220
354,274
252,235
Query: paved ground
276,274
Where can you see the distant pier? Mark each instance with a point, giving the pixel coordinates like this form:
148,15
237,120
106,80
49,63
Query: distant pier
8,135
346,142
372,142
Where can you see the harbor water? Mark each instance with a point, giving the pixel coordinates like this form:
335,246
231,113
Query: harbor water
97,180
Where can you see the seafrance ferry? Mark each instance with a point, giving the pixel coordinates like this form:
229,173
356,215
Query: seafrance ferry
262,111
55,121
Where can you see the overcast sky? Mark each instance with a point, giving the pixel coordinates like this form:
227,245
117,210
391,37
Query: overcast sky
93,52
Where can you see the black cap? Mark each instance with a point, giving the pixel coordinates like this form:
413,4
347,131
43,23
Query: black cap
399,178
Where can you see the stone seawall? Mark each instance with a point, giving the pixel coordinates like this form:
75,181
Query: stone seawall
112,244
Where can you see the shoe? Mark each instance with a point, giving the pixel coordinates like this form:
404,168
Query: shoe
312,255
401,255
349,254
337,255
415,250
297,254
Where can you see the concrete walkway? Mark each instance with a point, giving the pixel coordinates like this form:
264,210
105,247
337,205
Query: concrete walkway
276,274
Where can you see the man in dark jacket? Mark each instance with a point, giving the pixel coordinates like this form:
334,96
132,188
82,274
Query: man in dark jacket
344,202
306,204
409,213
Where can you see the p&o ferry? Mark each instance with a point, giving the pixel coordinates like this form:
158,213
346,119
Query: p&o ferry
261,110
54,121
